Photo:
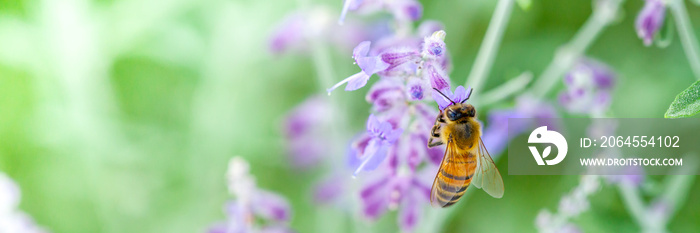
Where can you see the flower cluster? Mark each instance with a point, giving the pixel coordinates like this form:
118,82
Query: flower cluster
419,63
252,205
570,205
298,30
588,88
650,20
394,146
304,129
12,219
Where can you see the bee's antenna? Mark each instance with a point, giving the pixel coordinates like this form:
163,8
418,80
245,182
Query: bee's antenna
448,98
470,94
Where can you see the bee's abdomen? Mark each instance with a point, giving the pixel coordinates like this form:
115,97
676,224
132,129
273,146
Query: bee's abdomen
453,179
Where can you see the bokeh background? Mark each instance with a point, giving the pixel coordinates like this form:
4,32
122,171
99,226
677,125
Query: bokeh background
121,115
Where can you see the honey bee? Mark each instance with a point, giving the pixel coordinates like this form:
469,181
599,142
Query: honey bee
466,160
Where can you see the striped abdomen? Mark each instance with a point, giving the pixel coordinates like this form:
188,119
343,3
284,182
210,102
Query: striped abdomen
453,178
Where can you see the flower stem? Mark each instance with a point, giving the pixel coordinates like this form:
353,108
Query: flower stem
677,188
602,16
489,48
633,202
505,90
686,34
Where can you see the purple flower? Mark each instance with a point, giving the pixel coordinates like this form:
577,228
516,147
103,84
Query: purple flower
438,79
369,64
330,189
650,20
461,94
304,130
290,33
251,203
407,10
403,10
434,45
589,84
299,29
386,61
416,89
385,94
382,136
406,191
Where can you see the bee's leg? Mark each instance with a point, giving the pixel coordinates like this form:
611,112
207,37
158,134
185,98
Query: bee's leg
440,118
435,143
435,131
434,139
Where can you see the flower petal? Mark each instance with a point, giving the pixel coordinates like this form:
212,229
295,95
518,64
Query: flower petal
650,19
375,153
416,89
374,196
356,81
289,34
359,80
438,79
385,94
440,99
410,212
371,65
271,206
329,189
361,50
460,94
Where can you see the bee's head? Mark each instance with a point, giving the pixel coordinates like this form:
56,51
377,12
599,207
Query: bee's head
459,111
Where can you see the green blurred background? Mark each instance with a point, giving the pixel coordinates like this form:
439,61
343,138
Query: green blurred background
121,115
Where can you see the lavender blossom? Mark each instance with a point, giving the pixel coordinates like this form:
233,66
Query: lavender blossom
386,94
589,85
460,95
251,203
403,191
438,79
403,10
11,218
304,130
434,45
298,30
387,61
382,135
650,20
570,206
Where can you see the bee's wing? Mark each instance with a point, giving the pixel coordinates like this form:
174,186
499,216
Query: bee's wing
487,176
453,177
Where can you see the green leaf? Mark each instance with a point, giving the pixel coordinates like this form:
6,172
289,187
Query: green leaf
664,36
525,4
686,104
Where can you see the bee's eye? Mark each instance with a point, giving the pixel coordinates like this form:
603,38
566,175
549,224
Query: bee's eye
453,115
